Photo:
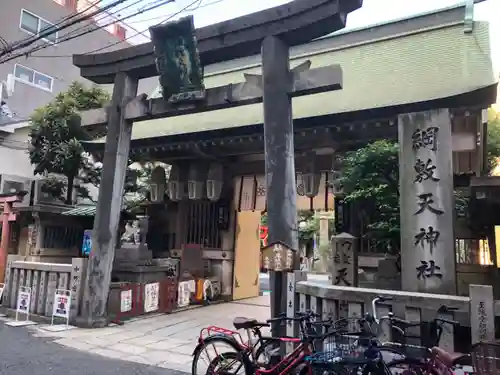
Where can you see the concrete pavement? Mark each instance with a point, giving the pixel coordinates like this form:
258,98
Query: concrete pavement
165,341
23,354
162,341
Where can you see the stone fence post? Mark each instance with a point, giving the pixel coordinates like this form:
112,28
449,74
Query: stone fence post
344,263
482,313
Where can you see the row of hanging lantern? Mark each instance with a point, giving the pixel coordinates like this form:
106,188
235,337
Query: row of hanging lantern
193,181
200,180
309,176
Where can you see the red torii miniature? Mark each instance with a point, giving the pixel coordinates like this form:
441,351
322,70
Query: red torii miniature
8,216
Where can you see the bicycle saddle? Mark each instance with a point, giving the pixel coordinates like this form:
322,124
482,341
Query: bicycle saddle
450,359
247,323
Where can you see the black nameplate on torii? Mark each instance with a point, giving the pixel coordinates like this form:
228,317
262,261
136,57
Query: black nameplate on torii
295,23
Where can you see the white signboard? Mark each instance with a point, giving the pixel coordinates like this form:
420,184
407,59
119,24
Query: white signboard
151,297
23,302
126,300
62,304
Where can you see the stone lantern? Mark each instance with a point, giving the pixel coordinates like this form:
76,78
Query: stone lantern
310,176
176,184
158,185
215,181
197,177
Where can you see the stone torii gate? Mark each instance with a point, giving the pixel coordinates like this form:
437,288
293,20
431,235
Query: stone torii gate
271,32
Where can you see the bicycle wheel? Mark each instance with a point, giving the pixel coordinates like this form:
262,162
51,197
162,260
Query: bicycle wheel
409,366
229,363
267,352
208,350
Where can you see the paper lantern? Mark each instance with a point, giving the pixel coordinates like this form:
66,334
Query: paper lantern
310,176
177,183
197,178
158,185
215,180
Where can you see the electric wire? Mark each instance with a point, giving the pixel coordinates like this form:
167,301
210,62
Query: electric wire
186,8
137,32
106,15
59,22
50,31
43,46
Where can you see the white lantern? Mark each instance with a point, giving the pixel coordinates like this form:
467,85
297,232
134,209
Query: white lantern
215,180
310,176
177,183
158,185
197,178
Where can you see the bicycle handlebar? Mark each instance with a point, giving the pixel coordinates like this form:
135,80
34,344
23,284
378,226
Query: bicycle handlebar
374,306
299,317
447,321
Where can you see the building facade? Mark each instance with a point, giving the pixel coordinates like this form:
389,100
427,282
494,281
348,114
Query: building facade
40,76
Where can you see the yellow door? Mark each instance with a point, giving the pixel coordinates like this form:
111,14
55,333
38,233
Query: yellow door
247,255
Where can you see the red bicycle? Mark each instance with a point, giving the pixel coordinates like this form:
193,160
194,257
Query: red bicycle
261,353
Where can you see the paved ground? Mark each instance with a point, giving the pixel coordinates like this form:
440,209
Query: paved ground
148,345
160,340
23,354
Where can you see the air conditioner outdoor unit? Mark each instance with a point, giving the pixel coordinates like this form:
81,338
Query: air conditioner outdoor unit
42,196
16,184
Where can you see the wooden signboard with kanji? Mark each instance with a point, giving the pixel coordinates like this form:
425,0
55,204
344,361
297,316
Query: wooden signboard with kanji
278,256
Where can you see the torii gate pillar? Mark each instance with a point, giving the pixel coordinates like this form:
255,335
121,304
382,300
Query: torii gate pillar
8,216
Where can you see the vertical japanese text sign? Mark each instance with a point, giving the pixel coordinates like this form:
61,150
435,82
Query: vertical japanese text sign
426,196
343,265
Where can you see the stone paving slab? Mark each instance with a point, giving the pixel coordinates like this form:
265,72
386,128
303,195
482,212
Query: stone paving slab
161,340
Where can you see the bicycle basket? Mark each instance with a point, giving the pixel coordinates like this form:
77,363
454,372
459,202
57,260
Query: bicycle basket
486,358
352,324
338,349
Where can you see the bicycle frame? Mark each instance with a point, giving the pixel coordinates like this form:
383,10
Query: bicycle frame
291,360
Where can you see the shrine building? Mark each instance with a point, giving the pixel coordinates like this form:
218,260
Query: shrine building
438,61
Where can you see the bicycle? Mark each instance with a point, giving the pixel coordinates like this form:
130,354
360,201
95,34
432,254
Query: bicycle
432,359
261,350
293,361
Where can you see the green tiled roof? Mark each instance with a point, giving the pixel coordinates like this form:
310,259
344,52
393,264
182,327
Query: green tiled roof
81,211
429,64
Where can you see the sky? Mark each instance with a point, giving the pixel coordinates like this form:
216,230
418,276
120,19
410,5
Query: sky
373,11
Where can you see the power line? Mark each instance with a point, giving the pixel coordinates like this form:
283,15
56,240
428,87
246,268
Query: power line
140,32
121,41
104,16
165,20
61,20
159,17
143,32
51,31
43,46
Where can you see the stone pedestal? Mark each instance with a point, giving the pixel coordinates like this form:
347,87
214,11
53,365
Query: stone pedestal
388,275
427,202
145,271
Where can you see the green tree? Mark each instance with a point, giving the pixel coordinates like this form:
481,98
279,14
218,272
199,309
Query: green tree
56,135
370,181
493,144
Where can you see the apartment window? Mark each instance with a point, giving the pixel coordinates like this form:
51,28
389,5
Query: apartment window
33,77
35,25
